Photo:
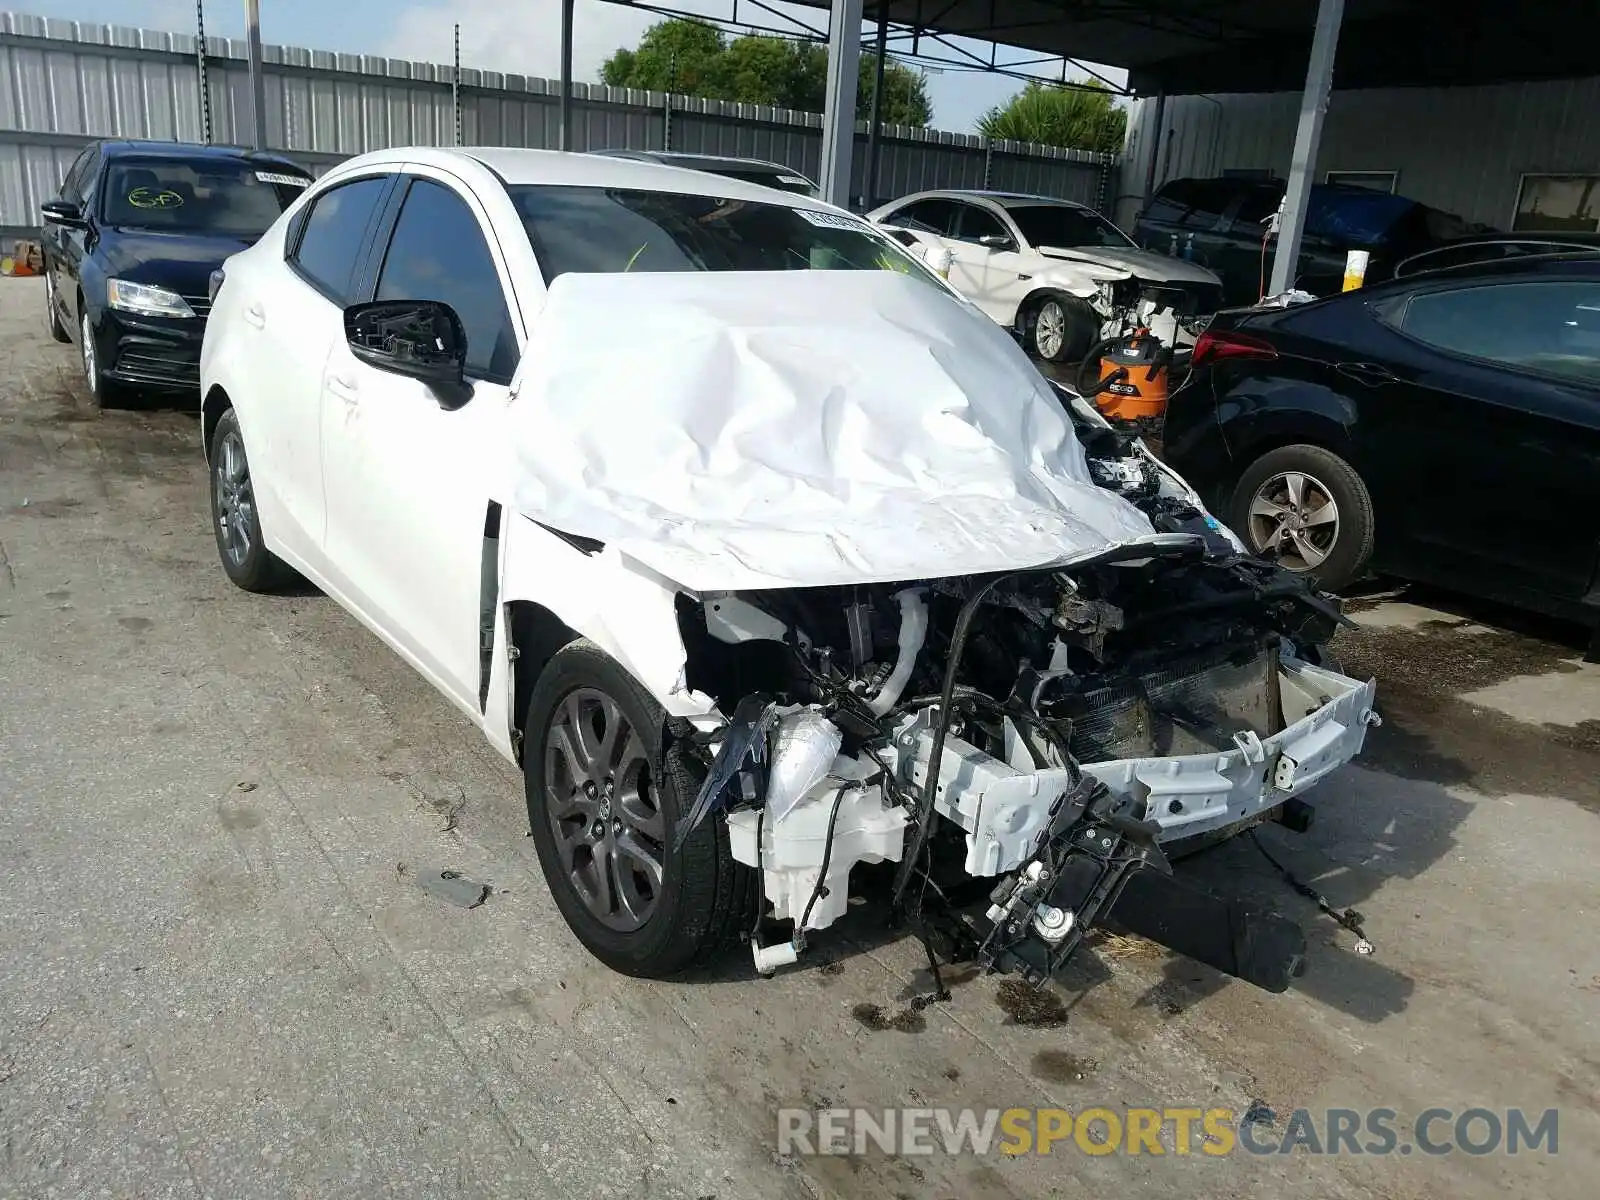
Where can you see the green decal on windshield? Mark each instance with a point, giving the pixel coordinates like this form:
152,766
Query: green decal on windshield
143,197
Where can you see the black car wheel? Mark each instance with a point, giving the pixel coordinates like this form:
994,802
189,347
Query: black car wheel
1061,329
1308,509
234,516
52,310
603,807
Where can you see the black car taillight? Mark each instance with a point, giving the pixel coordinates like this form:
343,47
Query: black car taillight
214,285
1216,345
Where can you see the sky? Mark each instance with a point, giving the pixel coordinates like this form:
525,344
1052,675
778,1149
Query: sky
496,35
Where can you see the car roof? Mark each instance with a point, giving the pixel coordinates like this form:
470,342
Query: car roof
675,158
190,151
1003,199
513,166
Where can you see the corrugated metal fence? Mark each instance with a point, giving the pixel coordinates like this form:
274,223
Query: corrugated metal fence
64,83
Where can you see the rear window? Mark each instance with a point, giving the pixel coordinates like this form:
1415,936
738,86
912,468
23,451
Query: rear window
229,198
1194,202
599,230
1355,216
782,180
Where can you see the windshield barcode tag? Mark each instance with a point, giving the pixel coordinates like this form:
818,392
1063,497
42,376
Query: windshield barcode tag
285,180
828,220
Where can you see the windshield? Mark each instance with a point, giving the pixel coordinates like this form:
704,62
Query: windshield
588,230
1065,226
223,197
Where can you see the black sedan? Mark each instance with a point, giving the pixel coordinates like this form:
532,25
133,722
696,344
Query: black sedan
1443,427
129,246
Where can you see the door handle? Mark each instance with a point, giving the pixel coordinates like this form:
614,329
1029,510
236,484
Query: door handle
1370,374
344,387
256,315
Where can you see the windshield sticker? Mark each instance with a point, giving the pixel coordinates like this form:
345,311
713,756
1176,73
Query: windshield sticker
286,180
794,179
143,197
828,220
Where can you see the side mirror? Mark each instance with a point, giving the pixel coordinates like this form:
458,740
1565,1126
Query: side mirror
420,339
62,212
997,241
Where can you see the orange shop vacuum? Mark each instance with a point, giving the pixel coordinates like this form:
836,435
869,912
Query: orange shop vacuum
1126,377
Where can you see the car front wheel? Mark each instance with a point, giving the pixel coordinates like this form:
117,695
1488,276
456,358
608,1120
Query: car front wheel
603,806
1307,508
103,392
1061,329
234,516
52,310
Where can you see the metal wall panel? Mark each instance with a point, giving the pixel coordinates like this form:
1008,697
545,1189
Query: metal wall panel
63,83
1464,149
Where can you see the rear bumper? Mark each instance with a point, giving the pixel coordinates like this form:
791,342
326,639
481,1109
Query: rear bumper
151,352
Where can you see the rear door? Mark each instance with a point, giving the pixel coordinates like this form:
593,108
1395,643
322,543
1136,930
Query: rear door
1487,419
288,322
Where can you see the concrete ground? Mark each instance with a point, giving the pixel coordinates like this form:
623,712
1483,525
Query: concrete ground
218,976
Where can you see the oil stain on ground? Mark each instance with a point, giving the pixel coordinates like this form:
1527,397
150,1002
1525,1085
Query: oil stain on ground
876,1018
1036,1008
1059,1066
1430,733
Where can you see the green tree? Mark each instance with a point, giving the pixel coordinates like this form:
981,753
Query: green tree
679,55
692,58
1079,118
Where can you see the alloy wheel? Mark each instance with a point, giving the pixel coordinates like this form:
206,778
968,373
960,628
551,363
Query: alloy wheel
601,802
1049,329
91,366
1294,517
236,501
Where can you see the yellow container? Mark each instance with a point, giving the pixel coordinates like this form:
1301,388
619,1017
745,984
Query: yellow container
1355,269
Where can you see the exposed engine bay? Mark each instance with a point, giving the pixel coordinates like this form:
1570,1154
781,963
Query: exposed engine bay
1175,313
1046,732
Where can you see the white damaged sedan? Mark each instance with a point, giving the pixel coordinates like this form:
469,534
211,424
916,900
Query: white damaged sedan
767,558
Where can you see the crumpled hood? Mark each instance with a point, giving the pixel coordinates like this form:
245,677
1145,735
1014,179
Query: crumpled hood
797,428
1146,264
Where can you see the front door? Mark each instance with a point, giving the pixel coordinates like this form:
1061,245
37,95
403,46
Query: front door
992,274
407,468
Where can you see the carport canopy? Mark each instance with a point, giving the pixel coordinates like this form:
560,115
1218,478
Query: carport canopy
1174,47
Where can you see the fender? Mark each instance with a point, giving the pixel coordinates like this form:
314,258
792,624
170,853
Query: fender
626,609
1261,413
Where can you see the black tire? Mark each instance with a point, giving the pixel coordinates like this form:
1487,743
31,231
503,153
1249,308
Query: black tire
1324,477
52,311
1078,328
704,901
235,517
103,392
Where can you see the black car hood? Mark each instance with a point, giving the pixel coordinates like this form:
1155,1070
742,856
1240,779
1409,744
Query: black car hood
179,262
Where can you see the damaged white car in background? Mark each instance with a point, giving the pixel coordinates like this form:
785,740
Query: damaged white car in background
1059,273
803,567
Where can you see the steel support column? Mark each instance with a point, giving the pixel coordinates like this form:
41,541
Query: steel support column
1307,140
258,84
1155,147
565,134
839,106
876,123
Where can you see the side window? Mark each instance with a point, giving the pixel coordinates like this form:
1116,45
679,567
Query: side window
438,252
72,183
331,238
929,216
979,222
89,181
1549,327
